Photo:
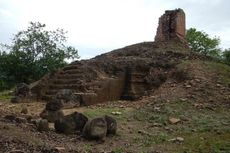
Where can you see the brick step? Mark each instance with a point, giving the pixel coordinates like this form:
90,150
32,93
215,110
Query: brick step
65,86
76,63
94,88
137,81
138,77
47,97
51,92
72,71
71,67
66,81
138,74
69,76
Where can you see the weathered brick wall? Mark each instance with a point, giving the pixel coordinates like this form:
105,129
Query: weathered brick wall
171,25
180,24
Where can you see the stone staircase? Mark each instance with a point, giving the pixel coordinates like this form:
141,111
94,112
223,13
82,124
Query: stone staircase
91,85
70,77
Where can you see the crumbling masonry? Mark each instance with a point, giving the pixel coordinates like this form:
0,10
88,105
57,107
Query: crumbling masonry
127,73
171,26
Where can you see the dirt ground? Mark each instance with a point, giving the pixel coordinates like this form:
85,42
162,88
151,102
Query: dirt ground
181,116
140,129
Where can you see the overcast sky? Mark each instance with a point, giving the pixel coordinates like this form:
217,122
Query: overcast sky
98,26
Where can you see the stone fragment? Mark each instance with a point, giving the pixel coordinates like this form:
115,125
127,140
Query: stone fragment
24,110
21,93
86,99
60,150
68,98
22,90
111,125
173,120
116,113
20,120
95,129
54,105
51,116
34,121
43,125
177,139
72,123
157,124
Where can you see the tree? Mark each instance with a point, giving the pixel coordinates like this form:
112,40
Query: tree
226,56
5,80
35,52
200,42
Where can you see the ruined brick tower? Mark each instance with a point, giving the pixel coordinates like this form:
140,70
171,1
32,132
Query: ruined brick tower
171,26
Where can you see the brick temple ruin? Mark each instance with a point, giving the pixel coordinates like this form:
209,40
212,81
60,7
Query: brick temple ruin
127,73
171,26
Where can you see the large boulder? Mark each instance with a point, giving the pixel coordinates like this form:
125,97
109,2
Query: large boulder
80,121
72,123
52,116
67,97
111,125
95,129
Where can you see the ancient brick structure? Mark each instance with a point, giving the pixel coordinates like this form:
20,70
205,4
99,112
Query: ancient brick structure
171,26
127,73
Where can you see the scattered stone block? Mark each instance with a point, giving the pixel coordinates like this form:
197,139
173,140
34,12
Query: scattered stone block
177,139
24,110
54,105
111,125
173,120
43,125
51,116
20,120
16,151
95,129
72,123
67,98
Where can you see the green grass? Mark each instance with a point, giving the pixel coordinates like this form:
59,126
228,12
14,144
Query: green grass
150,115
203,130
118,150
5,95
148,140
222,70
87,148
98,112
206,142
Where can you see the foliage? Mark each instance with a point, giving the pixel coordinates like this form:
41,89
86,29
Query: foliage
201,42
226,56
34,52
